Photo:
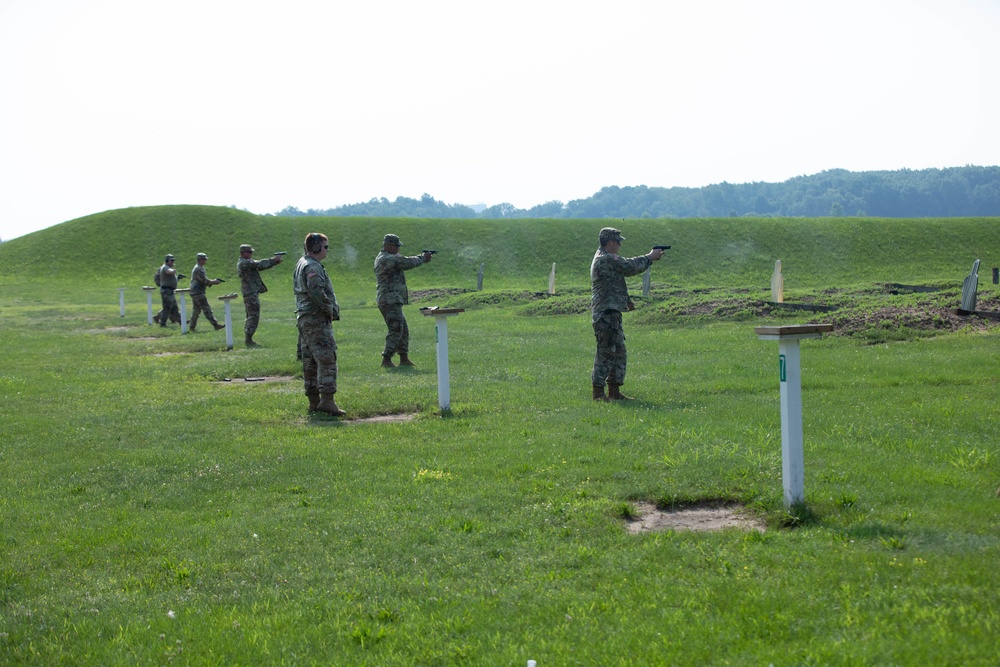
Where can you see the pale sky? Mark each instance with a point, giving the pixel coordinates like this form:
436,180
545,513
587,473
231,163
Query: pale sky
106,104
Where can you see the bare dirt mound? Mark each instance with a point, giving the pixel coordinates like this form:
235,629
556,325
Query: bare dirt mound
707,517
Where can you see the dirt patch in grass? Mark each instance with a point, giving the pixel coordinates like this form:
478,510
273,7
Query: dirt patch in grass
325,420
169,354
704,517
261,379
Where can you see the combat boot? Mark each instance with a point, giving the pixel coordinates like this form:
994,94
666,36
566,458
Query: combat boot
251,343
313,402
599,394
218,326
404,359
387,361
329,406
615,394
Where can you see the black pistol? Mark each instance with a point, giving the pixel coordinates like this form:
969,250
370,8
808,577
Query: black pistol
429,252
280,253
661,247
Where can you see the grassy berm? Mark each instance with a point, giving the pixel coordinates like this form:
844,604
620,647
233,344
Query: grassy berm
158,508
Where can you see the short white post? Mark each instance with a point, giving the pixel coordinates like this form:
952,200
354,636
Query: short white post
646,281
552,279
479,278
121,300
229,318
149,302
777,284
182,305
790,378
441,316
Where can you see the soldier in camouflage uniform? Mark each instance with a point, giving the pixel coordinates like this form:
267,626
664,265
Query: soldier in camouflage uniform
248,269
315,310
200,282
168,283
608,298
391,295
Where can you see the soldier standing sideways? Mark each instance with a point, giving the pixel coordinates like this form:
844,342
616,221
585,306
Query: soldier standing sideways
608,298
200,282
168,283
315,310
391,295
248,269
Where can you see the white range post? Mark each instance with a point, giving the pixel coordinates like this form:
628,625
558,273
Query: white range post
182,305
552,279
790,378
441,316
121,300
229,318
646,281
149,302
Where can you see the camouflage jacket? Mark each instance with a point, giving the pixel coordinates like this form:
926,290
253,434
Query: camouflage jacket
389,278
313,290
199,281
168,277
607,281
249,272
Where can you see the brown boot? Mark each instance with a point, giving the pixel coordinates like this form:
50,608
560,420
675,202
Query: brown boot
387,361
329,406
615,394
599,394
404,359
313,402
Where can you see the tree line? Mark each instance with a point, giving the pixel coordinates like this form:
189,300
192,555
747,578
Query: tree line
905,193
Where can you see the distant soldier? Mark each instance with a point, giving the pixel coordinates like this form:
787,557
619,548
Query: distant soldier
248,269
608,298
391,295
200,282
315,310
168,283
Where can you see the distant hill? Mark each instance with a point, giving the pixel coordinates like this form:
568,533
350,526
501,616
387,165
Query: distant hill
927,193
123,247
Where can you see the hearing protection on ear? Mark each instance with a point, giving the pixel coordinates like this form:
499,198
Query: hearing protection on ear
315,242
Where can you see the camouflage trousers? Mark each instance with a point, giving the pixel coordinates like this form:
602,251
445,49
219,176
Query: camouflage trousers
318,350
252,304
200,306
611,357
170,310
397,341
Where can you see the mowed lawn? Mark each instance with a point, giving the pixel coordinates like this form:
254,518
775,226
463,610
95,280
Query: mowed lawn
152,512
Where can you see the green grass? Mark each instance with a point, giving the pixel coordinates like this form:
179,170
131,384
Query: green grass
151,513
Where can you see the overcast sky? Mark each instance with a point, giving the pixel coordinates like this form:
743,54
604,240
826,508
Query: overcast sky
318,103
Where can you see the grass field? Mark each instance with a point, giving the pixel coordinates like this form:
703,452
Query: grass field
152,512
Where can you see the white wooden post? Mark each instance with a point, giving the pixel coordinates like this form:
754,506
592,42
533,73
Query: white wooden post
227,299
552,279
479,281
441,316
149,302
647,280
121,300
182,305
790,378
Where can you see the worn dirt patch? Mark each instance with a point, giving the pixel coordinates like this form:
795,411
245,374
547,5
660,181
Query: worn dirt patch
374,419
262,379
708,517
169,354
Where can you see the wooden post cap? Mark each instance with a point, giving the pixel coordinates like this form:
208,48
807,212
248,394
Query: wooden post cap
434,310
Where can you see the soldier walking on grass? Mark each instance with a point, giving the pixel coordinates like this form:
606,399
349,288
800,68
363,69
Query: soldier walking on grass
168,276
315,310
391,295
200,282
248,269
608,298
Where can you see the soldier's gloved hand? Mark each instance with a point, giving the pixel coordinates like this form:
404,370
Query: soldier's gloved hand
427,257
630,305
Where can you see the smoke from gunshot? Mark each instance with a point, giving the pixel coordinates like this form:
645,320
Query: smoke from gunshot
350,256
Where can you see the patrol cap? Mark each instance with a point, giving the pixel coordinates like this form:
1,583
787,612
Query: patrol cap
246,247
168,258
201,255
611,234
391,238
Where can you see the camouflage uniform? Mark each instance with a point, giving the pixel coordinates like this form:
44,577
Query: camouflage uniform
199,283
391,295
168,283
252,286
609,297
315,309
